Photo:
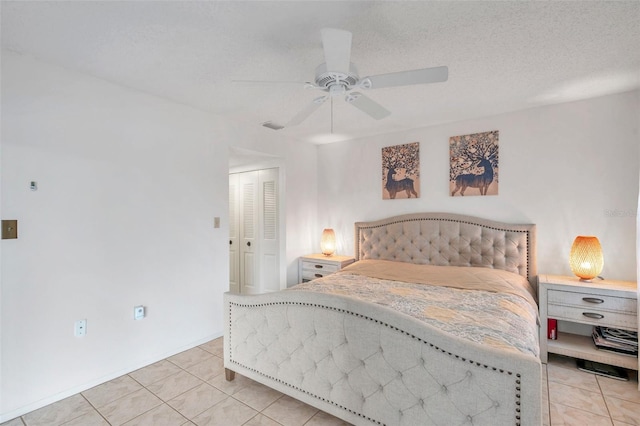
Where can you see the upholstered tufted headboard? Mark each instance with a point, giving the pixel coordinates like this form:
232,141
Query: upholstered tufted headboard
448,239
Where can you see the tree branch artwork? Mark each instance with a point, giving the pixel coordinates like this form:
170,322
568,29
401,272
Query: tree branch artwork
401,171
473,164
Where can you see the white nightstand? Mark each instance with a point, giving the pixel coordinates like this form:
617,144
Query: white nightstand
315,266
578,306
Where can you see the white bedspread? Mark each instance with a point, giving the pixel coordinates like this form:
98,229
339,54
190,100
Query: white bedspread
486,306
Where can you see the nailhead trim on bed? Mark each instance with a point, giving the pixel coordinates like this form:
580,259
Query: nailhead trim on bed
396,329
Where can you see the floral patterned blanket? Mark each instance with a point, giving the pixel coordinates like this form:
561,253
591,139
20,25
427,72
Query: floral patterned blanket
464,301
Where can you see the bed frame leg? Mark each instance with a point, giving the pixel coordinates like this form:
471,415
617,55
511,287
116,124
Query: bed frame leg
229,374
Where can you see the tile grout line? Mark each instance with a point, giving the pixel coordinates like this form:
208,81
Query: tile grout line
600,391
261,411
141,387
167,402
112,401
581,408
606,404
546,375
189,419
94,409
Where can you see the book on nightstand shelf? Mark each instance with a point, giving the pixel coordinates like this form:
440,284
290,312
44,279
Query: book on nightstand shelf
616,340
602,369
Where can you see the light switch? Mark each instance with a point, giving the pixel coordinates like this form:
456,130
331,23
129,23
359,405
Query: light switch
9,229
216,222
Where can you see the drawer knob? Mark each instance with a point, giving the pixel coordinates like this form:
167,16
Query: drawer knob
593,315
592,300
318,275
319,266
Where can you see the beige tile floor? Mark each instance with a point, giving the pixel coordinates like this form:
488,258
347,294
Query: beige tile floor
190,388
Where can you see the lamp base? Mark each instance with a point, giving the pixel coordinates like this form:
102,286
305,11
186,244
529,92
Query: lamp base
585,280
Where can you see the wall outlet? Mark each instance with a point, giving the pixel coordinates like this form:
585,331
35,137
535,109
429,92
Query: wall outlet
138,312
80,328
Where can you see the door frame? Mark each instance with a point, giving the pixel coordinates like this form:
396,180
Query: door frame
244,160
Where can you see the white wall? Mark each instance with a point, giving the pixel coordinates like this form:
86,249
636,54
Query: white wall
128,188
572,169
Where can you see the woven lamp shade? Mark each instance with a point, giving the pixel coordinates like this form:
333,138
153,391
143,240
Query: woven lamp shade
328,242
586,257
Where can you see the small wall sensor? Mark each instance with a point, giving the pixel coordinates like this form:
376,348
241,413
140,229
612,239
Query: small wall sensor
33,185
138,312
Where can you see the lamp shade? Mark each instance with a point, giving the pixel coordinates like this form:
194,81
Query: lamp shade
586,257
328,242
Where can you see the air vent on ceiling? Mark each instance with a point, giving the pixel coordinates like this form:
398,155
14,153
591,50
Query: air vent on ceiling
272,125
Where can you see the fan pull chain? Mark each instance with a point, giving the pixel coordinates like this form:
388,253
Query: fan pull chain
331,114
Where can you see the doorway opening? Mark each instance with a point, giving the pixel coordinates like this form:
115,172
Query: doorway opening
256,222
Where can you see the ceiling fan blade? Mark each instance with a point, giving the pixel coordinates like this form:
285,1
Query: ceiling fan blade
404,78
337,49
306,111
367,105
268,82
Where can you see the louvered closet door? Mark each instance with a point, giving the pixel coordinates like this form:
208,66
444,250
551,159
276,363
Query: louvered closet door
255,262
269,243
249,274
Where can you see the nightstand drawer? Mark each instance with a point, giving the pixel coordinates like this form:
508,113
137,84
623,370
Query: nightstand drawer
319,267
308,275
315,266
592,301
593,316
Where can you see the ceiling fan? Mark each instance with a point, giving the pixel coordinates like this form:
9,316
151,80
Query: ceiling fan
338,77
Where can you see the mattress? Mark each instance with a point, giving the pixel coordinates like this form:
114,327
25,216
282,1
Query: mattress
483,305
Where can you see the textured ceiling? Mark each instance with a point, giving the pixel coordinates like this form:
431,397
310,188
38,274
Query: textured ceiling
502,56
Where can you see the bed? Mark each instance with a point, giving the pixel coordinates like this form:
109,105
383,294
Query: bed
363,345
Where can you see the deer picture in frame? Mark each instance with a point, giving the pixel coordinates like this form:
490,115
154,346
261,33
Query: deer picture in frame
394,186
401,171
474,163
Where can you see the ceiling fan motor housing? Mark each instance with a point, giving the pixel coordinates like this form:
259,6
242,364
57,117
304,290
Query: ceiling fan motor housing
336,82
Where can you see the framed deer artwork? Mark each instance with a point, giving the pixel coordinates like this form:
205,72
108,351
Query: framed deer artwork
473,164
401,171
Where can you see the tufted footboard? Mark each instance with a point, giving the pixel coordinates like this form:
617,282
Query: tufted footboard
368,364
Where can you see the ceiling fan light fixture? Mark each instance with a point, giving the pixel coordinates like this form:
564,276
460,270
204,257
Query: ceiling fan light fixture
337,90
